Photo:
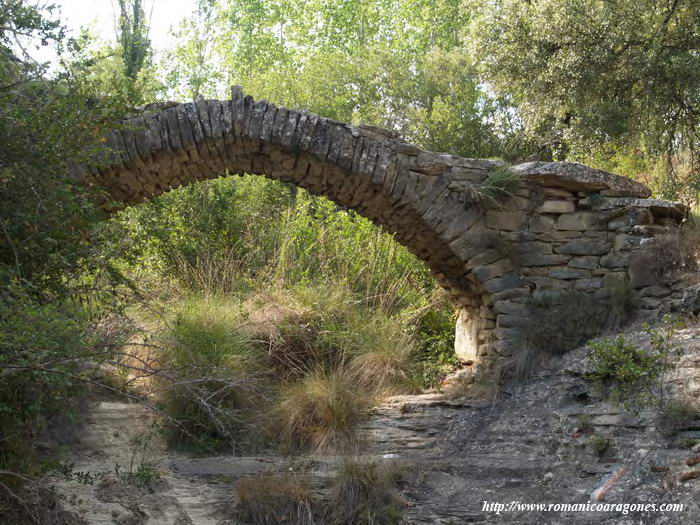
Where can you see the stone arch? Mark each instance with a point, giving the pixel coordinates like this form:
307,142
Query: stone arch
489,255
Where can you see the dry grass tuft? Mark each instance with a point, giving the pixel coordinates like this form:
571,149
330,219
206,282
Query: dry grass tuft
320,411
269,499
367,493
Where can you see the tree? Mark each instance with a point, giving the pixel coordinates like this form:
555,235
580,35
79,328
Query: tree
132,32
603,81
392,63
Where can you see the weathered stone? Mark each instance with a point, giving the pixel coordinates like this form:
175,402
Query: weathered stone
541,223
466,336
614,260
579,221
547,283
532,247
503,220
509,321
586,262
538,259
557,207
503,283
566,272
487,313
484,273
657,207
588,284
557,193
577,177
624,242
584,247
655,291
632,218
510,307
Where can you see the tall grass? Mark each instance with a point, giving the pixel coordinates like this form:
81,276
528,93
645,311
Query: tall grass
301,313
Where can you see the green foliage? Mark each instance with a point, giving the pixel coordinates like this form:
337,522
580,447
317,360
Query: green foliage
320,412
299,366
616,78
499,185
133,36
325,55
584,423
213,373
41,348
637,376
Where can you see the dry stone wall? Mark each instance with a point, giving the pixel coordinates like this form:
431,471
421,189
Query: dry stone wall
564,226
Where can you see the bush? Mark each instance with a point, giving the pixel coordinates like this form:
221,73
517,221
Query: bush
631,371
669,254
600,445
269,499
320,411
677,415
43,353
365,492
563,322
211,373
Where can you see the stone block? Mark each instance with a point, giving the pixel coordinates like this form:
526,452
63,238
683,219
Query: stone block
557,206
510,307
485,257
579,221
513,293
615,260
585,262
505,282
588,284
584,247
541,223
655,291
509,321
559,236
557,193
532,247
547,283
566,272
538,259
495,269
505,220
486,312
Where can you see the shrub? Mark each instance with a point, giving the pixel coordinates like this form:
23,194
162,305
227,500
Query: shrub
668,254
365,492
600,445
677,415
563,321
269,499
319,411
631,371
42,352
211,373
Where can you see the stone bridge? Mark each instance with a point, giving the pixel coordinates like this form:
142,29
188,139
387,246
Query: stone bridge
558,226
